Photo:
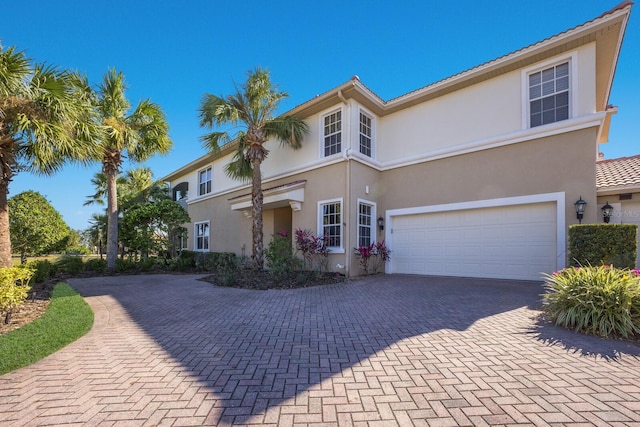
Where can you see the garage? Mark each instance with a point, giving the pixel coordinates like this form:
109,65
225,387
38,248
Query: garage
489,239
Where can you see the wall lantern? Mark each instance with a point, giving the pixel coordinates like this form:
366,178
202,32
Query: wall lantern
607,211
580,207
380,223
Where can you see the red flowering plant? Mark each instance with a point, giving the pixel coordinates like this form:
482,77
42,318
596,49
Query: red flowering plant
312,248
377,252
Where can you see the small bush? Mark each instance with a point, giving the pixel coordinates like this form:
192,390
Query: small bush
14,288
95,265
600,300
43,270
603,244
186,261
280,258
71,265
125,265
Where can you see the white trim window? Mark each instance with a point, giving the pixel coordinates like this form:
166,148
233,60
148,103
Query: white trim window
366,222
332,133
366,134
549,97
204,181
201,233
330,222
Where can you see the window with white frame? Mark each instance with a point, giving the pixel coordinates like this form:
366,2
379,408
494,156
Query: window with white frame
366,223
365,134
201,233
549,95
330,222
204,182
332,133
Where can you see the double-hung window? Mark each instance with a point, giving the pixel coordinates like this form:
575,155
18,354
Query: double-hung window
330,222
332,133
365,134
204,182
201,236
366,223
549,95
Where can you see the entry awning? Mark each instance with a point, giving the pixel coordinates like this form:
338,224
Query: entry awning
290,194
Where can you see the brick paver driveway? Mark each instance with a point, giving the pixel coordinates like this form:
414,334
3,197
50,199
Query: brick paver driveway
386,350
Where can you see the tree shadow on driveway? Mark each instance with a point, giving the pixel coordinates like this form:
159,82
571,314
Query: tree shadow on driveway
256,349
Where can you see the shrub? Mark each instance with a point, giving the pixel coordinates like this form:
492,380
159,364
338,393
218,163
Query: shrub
312,248
95,265
280,258
186,261
14,288
377,252
125,265
603,244
43,270
600,300
71,265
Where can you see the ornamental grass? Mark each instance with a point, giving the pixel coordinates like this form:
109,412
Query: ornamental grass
602,301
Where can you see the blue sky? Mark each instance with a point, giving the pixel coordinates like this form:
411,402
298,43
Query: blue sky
174,51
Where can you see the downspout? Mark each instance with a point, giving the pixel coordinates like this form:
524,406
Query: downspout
347,194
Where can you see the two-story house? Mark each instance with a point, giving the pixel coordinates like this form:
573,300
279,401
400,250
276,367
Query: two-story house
474,175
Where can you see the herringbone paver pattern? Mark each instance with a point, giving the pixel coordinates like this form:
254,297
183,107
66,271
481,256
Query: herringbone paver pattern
382,351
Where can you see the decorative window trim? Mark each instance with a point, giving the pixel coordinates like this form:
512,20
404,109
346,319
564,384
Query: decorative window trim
322,133
372,136
372,226
197,236
208,184
572,59
320,228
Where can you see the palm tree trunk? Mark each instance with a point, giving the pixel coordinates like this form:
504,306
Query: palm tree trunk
112,219
256,198
5,238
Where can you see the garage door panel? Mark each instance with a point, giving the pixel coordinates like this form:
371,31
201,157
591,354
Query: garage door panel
511,241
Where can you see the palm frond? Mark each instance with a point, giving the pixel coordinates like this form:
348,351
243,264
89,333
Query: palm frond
289,130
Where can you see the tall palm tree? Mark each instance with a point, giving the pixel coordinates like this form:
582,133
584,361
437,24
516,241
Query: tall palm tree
46,119
252,108
139,135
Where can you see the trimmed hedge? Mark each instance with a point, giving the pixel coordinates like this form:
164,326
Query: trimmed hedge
207,261
603,244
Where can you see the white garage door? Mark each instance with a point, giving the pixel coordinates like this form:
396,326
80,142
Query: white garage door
511,242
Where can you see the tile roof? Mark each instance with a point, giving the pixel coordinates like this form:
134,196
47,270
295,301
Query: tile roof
618,173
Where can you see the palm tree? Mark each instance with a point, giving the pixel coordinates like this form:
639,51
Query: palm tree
138,135
252,107
46,119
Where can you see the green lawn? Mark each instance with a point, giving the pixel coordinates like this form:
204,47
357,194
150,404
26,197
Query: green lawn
68,318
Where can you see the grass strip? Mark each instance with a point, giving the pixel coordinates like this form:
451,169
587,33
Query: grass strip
67,318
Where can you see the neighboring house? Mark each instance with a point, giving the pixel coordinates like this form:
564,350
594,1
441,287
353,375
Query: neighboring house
475,175
618,183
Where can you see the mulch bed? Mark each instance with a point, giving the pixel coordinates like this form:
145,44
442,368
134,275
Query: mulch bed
30,310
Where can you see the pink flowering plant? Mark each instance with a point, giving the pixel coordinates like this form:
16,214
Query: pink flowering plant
602,300
373,255
313,248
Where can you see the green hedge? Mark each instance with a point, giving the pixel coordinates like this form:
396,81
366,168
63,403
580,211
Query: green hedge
603,244
207,261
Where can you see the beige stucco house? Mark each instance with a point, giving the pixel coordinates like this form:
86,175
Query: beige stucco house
618,185
475,175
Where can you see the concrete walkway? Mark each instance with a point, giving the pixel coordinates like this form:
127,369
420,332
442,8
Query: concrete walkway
387,350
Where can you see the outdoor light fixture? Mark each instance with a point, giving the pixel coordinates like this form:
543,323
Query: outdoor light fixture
380,223
607,211
580,206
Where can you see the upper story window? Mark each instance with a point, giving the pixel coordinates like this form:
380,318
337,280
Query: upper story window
549,95
365,134
330,222
332,133
204,182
